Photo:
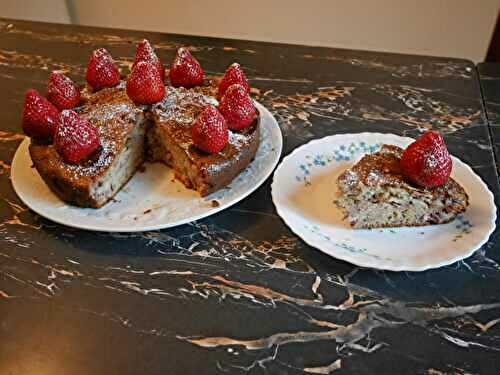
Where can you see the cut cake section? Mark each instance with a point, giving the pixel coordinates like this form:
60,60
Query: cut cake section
122,127
170,142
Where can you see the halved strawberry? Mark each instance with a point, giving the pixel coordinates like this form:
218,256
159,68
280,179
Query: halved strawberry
145,52
237,107
101,70
145,86
76,138
40,117
209,131
234,74
62,92
185,70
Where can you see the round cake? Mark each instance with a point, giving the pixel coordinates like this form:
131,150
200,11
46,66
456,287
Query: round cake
131,134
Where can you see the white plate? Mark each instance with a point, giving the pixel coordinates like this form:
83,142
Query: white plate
304,189
151,200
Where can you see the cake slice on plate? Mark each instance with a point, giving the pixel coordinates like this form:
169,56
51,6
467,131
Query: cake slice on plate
170,141
122,126
386,188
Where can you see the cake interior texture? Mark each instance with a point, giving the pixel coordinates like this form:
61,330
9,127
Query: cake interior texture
123,167
131,134
375,194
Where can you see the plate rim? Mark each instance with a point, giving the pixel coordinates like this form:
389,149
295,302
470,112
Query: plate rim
111,229
384,266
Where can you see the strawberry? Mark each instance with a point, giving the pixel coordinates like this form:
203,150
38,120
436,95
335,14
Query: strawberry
234,74
101,70
185,70
40,117
237,107
145,86
145,52
76,138
62,92
426,162
209,132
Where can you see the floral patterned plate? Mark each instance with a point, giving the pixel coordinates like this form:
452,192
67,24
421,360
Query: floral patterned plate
304,189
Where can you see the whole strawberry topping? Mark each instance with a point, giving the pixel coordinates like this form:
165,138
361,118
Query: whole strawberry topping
145,52
62,92
426,162
209,132
145,86
234,74
76,139
185,70
101,70
237,107
40,117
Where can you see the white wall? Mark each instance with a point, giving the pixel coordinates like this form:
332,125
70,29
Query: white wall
36,10
457,28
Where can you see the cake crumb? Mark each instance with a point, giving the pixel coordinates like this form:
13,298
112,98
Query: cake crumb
215,203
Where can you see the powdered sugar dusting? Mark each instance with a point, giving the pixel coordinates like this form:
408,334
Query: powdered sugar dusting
103,160
237,139
181,105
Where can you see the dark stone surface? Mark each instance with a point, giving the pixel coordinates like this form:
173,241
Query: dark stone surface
490,83
489,74
238,292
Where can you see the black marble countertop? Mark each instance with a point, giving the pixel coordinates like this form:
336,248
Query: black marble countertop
489,74
238,293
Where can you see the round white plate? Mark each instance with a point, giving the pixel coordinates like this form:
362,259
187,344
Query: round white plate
150,200
304,189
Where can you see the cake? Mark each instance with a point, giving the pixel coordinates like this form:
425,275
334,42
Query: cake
375,193
169,141
87,153
131,134
122,127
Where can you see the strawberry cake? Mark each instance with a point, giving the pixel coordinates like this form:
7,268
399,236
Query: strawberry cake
87,143
395,187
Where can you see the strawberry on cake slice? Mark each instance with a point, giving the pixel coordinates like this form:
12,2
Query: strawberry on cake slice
395,187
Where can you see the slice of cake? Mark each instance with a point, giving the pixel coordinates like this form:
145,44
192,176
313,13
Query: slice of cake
170,142
122,127
375,193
